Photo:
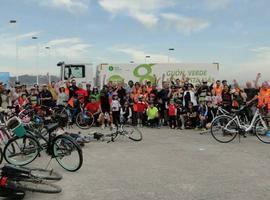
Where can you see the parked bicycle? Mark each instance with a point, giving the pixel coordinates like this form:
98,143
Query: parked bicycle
225,128
25,147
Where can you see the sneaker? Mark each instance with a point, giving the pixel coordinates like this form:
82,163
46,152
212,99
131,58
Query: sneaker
102,126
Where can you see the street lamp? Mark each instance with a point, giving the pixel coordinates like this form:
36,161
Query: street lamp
14,22
147,57
170,49
37,52
49,61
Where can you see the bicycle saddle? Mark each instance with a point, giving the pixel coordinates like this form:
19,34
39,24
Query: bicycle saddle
51,127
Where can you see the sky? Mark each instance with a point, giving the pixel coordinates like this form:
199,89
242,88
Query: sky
234,33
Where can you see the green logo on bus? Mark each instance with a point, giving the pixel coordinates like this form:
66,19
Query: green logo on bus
110,68
147,75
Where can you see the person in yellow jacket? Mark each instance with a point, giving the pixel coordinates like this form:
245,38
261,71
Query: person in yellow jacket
52,88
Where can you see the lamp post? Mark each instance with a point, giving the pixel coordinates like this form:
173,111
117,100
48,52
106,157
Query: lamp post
37,52
170,49
49,61
146,58
14,22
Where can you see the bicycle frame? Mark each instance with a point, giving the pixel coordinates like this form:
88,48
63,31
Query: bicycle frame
48,142
247,127
222,111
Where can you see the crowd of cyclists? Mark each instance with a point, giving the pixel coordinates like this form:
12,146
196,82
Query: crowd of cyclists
177,103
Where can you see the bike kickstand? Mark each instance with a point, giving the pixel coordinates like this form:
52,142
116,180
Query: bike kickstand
48,163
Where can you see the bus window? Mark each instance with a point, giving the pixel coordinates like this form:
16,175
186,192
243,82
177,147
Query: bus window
74,71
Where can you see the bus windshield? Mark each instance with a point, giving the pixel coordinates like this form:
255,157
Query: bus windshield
74,71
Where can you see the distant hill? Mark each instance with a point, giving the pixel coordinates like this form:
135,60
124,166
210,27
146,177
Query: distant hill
31,80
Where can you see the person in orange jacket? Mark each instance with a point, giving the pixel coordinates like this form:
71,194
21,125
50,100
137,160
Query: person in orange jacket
264,96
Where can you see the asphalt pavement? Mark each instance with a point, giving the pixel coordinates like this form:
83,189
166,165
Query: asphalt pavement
167,165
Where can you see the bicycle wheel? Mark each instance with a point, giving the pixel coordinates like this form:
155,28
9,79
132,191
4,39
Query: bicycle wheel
132,132
67,153
85,120
262,129
224,129
45,174
5,137
61,115
33,185
26,150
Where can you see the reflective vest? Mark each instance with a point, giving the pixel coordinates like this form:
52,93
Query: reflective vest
218,90
264,98
71,102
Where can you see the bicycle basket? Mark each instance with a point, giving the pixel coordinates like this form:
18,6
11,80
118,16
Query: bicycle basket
15,125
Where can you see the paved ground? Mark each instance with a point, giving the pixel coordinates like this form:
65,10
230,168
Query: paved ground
168,165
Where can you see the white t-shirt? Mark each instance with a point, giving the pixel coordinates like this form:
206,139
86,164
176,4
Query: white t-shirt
115,105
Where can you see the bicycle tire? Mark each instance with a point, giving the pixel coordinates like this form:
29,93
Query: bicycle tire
263,134
134,134
33,185
219,123
60,111
45,174
34,150
88,119
64,146
6,138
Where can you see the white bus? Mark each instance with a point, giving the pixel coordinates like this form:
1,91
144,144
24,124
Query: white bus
81,72
123,72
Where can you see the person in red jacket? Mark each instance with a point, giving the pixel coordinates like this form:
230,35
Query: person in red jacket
94,107
82,93
172,112
141,108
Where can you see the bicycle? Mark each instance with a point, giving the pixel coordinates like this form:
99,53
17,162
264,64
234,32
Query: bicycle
131,132
28,147
225,128
15,178
84,119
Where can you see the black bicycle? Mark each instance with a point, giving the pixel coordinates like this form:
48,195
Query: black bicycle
25,149
15,179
